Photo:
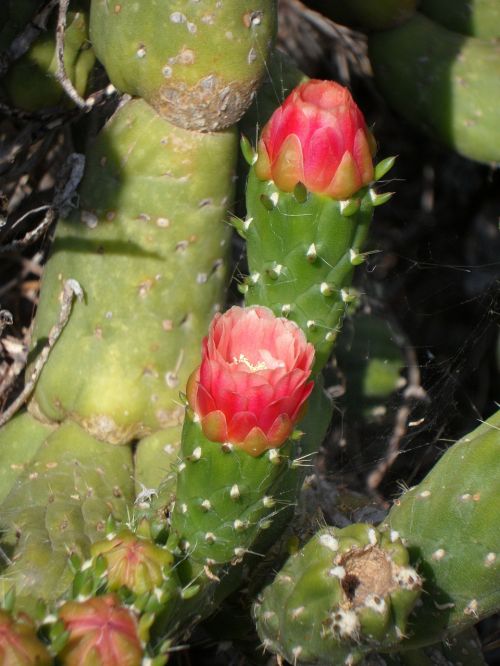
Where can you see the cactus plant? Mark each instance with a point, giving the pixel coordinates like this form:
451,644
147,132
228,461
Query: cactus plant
365,14
306,224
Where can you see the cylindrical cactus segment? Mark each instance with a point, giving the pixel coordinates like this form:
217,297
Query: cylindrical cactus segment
301,256
170,53
346,592
19,644
431,76
225,497
20,439
449,523
477,18
152,217
58,506
309,207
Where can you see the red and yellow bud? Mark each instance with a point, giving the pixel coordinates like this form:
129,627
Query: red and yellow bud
253,379
133,562
101,633
19,644
318,137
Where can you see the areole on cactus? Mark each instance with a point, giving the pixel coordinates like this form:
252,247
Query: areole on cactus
253,379
319,138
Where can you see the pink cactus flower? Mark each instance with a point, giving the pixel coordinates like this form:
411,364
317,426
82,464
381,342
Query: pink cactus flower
318,137
253,379
101,633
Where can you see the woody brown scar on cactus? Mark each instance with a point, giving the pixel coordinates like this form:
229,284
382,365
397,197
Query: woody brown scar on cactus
156,487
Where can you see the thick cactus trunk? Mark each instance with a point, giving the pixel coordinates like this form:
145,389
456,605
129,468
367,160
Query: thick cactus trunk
151,219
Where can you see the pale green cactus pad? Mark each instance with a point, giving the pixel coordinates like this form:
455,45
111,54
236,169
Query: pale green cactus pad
152,219
197,63
59,506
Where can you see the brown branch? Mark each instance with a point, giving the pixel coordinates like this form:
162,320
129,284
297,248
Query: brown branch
71,290
61,75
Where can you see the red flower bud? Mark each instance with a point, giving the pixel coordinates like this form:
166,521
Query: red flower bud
318,137
101,633
253,379
19,644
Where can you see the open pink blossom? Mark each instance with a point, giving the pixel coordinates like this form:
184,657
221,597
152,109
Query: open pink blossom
101,633
253,379
318,137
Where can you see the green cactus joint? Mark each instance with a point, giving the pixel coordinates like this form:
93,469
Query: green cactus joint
446,83
169,53
58,506
225,497
449,524
20,439
345,593
367,14
152,213
302,249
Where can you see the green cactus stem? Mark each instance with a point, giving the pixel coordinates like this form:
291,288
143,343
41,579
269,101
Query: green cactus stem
20,439
225,498
302,251
476,18
345,593
58,506
170,53
152,216
30,83
445,83
366,14
449,524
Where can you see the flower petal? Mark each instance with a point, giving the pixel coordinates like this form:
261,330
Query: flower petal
255,442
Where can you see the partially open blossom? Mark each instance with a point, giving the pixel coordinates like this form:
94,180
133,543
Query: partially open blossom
318,137
253,379
19,644
101,633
